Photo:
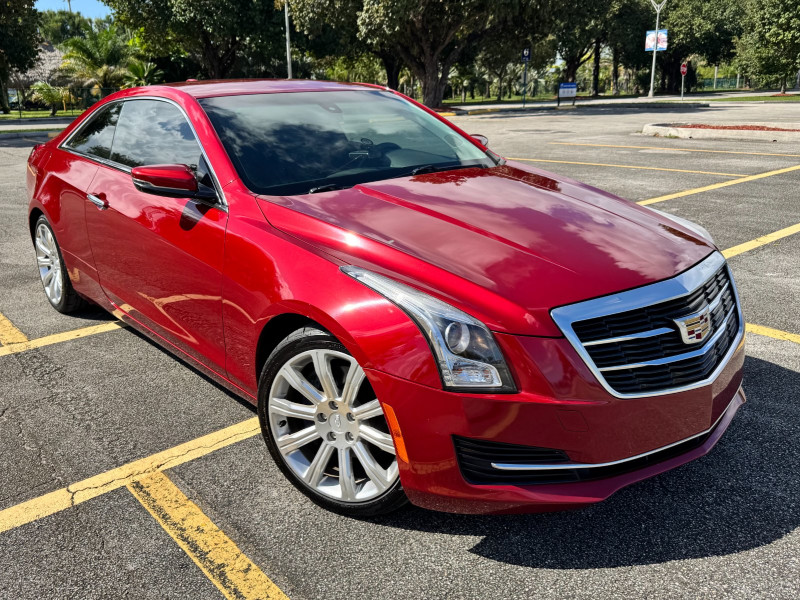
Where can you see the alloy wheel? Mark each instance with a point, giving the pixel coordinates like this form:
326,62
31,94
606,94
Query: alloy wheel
329,427
49,263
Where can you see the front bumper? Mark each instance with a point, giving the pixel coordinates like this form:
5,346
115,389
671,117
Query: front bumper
561,407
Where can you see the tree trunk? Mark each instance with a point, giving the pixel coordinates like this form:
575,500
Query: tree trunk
596,69
783,84
433,85
615,72
4,107
571,67
392,66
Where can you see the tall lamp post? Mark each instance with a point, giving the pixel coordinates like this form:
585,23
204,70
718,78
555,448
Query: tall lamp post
288,41
658,6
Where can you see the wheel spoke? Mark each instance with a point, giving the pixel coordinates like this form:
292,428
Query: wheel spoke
347,481
44,261
316,469
40,246
301,384
374,471
377,438
323,368
48,277
352,383
368,411
293,441
286,408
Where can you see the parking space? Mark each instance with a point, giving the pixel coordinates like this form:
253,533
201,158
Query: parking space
126,473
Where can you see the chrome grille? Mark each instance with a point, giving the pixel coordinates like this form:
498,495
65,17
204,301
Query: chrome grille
632,344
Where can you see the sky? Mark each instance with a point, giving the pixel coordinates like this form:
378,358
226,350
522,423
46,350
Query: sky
88,8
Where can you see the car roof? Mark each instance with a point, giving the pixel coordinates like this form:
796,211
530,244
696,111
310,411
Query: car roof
235,87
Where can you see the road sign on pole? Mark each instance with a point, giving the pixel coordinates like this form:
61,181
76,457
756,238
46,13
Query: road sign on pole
684,70
658,6
526,58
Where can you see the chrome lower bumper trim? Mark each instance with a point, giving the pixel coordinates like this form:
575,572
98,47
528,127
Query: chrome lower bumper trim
567,466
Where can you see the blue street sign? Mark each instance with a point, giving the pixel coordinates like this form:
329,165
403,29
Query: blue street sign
526,55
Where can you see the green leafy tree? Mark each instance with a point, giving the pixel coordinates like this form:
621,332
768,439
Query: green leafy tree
578,30
333,31
98,59
428,36
770,44
19,42
57,26
213,34
142,73
706,28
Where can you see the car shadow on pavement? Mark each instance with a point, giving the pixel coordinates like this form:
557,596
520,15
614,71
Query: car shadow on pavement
743,495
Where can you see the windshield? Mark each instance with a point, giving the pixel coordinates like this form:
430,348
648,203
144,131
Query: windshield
299,143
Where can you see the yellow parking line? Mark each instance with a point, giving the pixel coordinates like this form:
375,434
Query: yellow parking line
591,164
9,334
773,333
681,149
716,186
228,568
73,494
22,346
762,241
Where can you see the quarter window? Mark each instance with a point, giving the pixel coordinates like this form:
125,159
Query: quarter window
151,132
96,136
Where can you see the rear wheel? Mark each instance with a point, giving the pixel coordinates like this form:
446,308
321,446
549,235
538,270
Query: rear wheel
325,427
55,279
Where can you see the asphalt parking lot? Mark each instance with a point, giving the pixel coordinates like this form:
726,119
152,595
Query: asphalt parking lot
125,473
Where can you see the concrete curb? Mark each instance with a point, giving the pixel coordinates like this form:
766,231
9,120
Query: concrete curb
35,135
688,133
627,105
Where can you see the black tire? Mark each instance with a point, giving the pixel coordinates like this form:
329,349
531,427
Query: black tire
296,343
69,301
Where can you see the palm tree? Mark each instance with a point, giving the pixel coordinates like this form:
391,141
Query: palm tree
142,73
99,59
52,96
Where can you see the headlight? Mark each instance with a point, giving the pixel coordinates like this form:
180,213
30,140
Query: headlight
465,350
690,225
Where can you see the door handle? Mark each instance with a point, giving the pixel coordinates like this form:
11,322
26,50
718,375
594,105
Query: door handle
100,203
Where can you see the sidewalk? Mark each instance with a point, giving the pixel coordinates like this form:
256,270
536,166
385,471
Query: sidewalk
693,100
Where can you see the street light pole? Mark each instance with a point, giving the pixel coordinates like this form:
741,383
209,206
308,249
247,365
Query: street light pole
658,6
288,41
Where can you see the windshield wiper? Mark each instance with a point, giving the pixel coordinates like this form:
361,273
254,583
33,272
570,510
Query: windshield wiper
329,187
434,168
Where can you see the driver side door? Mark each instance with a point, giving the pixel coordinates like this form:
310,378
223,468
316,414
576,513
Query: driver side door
159,259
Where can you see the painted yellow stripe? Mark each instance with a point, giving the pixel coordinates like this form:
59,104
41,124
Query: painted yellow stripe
10,334
773,333
57,338
762,241
681,149
591,164
717,186
228,568
97,485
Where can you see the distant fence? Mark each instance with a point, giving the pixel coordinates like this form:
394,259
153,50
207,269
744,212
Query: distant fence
729,83
73,100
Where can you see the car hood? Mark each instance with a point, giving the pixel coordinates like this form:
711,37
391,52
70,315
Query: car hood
506,244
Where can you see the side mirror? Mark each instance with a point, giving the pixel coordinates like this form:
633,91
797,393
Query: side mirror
173,181
481,139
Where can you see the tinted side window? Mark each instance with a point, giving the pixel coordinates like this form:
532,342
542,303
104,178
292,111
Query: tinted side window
151,132
96,136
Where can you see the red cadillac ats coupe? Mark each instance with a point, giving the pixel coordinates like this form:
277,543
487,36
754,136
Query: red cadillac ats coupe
415,318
